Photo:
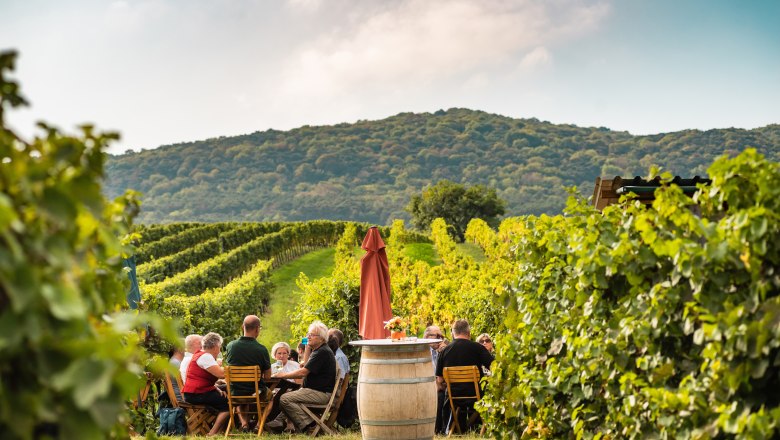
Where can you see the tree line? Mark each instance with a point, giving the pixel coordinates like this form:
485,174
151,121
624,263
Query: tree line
369,170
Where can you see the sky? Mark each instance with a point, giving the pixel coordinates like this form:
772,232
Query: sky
169,71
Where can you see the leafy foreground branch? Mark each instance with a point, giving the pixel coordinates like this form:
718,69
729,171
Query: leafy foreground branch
70,355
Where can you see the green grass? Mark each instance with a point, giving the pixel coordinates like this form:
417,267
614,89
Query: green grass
286,296
473,251
423,252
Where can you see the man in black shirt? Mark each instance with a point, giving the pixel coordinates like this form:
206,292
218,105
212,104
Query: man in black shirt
319,378
462,351
246,352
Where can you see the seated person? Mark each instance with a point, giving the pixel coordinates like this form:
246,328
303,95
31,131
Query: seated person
294,356
281,351
461,352
485,341
335,338
202,372
319,377
247,352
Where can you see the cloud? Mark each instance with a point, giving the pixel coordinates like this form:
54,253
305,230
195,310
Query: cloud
421,42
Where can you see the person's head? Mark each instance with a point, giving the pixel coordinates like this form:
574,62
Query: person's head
461,329
281,352
176,352
212,343
294,355
251,326
319,332
486,341
192,343
434,332
333,342
338,334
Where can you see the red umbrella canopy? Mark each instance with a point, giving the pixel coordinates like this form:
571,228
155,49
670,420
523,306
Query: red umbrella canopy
374,288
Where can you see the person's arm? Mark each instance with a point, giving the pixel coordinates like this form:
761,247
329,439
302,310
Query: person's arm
297,374
216,370
440,384
266,374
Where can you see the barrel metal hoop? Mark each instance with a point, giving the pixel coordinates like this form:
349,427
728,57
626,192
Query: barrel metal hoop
396,361
400,380
398,422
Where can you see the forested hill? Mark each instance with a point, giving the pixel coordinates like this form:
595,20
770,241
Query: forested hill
367,171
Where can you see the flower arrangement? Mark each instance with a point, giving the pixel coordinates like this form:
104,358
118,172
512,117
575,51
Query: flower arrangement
396,324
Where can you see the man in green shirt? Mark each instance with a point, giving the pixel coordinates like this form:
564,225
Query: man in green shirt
246,352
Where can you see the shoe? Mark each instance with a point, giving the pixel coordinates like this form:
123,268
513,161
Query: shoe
309,429
274,426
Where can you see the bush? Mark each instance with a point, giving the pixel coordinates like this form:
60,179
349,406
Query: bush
643,322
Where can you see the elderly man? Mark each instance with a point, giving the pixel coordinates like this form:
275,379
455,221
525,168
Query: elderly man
461,351
319,378
191,346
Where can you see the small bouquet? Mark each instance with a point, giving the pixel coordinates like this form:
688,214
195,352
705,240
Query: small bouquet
396,324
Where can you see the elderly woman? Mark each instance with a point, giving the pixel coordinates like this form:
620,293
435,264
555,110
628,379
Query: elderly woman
281,352
202,372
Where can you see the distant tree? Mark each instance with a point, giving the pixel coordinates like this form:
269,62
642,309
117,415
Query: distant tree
457,205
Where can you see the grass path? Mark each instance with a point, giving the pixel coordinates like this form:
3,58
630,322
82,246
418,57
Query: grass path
286,296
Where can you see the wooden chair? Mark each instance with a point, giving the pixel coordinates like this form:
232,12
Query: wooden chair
322,413
464,374
262,401
334,413
200,418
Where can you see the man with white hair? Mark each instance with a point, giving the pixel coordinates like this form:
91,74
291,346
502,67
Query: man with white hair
191,346
319,378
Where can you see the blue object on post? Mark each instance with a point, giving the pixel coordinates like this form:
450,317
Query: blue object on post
134,295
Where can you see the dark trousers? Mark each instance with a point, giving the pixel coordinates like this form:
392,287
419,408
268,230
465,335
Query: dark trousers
441,405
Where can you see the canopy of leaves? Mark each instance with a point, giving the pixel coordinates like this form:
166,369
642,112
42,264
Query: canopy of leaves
456,204
70,358
369,170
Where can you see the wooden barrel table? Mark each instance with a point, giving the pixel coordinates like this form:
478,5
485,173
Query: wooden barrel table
396,391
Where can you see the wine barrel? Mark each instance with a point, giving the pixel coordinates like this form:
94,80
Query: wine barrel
396,393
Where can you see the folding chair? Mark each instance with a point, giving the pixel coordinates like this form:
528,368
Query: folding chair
334,412
200,418
262,401
464,374
324,410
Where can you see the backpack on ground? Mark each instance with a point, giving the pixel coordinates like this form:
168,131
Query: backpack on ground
172,422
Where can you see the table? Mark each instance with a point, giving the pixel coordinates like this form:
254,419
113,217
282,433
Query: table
396,392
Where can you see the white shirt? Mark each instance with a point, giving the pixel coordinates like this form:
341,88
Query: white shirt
206,361
291,365
183,367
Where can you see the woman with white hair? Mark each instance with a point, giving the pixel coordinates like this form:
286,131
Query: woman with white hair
202,373
281,352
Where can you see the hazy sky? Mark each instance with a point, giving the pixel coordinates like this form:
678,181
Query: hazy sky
167,71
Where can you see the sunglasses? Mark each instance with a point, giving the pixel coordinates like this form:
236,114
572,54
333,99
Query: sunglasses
437,336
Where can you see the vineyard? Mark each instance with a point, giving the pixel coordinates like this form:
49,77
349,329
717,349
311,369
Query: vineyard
631,323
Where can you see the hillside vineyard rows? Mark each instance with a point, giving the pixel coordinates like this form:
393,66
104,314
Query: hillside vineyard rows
629,323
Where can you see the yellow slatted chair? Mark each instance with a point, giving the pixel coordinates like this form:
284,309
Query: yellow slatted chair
464,374
262,401
200,418
322,413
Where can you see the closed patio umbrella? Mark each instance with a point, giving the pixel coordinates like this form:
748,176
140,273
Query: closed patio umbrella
374,288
